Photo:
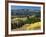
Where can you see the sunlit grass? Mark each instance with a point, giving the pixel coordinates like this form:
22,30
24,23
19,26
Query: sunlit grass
33,26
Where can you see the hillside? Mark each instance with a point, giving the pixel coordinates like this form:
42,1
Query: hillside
33,26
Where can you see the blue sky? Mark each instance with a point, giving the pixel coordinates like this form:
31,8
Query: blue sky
25,7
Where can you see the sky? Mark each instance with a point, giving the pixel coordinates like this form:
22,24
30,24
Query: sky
25,7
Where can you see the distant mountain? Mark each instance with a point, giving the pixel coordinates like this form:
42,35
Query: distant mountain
25,12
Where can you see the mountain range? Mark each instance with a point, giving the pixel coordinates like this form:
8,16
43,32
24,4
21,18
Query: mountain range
24,12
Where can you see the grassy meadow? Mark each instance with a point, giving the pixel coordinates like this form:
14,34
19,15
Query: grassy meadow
25,23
